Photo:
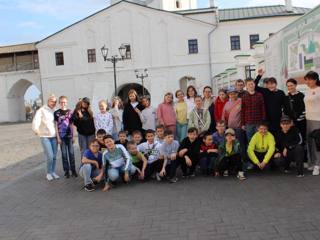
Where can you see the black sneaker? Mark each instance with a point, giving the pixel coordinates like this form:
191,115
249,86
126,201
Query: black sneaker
67,174
74,174
89,188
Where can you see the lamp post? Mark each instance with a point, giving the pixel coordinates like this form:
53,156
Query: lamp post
142,76
114,59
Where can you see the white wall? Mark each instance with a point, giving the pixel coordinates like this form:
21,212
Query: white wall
223,56
159,42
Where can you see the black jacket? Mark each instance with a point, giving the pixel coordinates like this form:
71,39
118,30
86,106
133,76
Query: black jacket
294,107
288,140
85,125
274,102
131,119
193,148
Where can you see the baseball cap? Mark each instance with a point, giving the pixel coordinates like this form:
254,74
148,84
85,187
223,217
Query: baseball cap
231,90
229,131
285,118
86,100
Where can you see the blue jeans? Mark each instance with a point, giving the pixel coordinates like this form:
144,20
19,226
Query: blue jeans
50,147
87,174
113,174
67,154
84,142
181,131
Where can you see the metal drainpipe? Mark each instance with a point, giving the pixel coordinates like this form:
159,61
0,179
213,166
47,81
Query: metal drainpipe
213,84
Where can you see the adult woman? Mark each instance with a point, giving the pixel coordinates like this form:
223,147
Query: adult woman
207,97
131,113
294,106
221,100
181,110
43,125
191,94
116,112
312,100
165,113
83,120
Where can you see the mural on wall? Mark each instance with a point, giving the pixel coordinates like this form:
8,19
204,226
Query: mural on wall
304,54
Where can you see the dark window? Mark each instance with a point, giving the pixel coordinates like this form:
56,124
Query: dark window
235,42
271,34
254,38
193,46
91,55
250,71
59,59
128,51
178,4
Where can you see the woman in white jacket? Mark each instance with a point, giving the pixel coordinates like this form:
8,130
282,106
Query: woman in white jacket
44,127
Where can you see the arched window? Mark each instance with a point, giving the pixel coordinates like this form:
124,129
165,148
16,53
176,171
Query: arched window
178,4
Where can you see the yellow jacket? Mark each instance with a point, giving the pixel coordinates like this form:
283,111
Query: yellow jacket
262,144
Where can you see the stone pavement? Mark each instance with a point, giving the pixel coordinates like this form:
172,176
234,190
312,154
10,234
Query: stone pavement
271,206
263,207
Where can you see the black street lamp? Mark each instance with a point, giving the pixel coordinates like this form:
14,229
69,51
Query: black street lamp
142,76
114,59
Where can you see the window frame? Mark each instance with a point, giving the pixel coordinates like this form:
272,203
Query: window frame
233,44
252,40
193,46
91,55
59,57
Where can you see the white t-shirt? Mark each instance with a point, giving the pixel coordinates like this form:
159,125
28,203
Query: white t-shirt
312,102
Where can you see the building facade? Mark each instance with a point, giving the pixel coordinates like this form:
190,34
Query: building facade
178,43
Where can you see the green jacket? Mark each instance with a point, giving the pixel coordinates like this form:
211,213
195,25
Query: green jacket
222,150
194,120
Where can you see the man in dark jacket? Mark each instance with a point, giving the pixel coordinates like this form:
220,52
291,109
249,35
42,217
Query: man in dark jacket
289,144
274,100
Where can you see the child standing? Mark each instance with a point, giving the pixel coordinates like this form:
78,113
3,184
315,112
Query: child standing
181,109
208,154
64,129
166,114
188,153
137,158
151,150
168,152
230,156
147,115
199,117
118,163
103,119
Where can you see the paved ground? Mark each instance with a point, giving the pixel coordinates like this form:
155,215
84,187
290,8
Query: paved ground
272,206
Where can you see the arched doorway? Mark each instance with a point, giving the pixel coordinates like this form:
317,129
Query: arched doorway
124,89
23,100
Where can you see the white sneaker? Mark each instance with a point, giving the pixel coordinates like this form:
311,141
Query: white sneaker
226,173
49,177
316,171
55,176
241,176
158,177
310,168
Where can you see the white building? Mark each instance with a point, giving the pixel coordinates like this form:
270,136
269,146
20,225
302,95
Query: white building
180,45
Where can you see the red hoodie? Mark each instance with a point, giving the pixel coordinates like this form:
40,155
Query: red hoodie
218,108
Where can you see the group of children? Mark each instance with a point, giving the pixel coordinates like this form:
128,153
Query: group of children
157,155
